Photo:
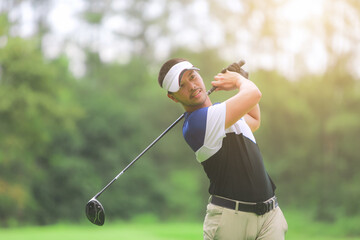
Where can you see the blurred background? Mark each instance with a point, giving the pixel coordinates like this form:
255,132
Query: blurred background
79,99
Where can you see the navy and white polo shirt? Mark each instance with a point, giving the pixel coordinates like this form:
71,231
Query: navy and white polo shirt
231,157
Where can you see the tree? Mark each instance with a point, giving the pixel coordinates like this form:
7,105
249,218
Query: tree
36,110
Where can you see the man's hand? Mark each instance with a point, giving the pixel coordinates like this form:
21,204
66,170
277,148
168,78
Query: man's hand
236,67
231,77
228,81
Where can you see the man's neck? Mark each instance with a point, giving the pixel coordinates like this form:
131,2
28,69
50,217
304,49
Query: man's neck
207,103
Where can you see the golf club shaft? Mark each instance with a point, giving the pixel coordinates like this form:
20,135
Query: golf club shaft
142,153
146,149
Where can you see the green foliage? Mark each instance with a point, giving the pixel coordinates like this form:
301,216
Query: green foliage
37,111
309,134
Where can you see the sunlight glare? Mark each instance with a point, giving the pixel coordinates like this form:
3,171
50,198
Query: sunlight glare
298,11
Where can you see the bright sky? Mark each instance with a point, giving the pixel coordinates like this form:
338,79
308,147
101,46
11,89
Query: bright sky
294,18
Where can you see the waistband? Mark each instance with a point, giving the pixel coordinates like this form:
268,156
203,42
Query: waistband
259,208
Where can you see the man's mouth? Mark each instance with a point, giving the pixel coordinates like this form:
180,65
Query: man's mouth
195,93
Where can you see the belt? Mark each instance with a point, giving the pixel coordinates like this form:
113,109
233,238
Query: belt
259,208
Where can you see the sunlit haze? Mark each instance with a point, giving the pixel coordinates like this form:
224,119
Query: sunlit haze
298,25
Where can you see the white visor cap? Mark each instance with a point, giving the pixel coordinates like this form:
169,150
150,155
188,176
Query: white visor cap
172,79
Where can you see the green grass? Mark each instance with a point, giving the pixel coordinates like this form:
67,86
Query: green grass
126,231
300,227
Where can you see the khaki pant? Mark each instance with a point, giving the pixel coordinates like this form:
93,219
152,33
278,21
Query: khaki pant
226,224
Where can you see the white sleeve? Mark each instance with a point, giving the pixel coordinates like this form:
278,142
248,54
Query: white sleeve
215,132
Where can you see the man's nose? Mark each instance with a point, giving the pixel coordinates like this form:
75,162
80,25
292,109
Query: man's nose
192,85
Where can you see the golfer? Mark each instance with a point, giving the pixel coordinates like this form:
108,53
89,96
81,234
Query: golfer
242,204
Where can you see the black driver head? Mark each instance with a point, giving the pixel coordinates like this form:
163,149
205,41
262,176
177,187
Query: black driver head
95,212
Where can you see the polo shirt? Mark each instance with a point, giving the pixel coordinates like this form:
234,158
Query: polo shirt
230,157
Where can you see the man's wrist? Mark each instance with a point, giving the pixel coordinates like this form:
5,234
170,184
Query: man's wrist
239,81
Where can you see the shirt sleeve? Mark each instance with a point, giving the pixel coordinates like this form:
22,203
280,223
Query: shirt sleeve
214,132
194,128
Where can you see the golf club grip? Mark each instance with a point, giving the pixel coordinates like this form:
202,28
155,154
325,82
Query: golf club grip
211,90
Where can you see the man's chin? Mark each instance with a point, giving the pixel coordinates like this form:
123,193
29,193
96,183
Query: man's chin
198,102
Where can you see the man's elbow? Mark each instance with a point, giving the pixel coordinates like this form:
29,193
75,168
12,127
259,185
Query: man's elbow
256,126
255,96
258,94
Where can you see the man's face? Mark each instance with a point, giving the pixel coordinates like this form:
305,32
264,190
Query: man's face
192,93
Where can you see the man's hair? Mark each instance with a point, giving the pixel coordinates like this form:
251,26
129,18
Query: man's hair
166,67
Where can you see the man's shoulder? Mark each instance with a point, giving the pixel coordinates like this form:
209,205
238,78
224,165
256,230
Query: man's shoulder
194,128
205,127
203,111
196,114
195,120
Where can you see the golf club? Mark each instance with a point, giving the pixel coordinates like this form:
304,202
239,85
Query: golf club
94,210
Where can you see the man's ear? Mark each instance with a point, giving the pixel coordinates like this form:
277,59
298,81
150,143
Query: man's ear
172,97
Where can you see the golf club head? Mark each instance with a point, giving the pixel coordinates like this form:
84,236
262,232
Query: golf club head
95,212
